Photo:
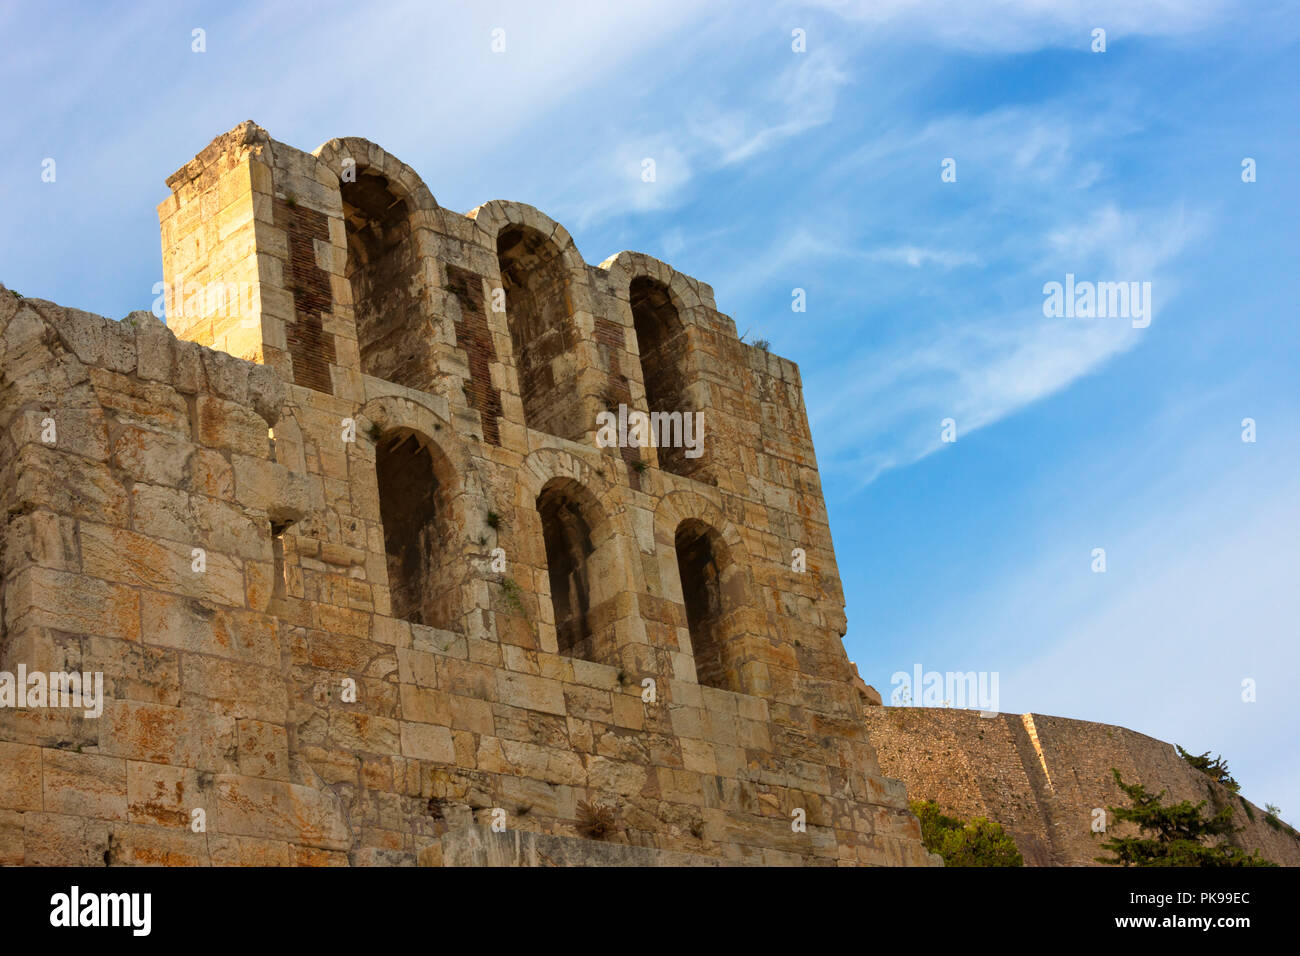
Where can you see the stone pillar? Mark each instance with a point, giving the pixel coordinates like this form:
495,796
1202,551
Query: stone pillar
254,259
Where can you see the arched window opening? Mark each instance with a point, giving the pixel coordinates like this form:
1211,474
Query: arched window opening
394,335
576,544
661,341
711,586
420,536
539,312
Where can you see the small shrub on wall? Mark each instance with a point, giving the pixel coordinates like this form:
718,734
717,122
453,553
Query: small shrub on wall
978,842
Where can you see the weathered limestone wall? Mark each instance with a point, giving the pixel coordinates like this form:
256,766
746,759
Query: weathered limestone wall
230,687
1041,777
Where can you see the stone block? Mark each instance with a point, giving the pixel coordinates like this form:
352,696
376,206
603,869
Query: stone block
20,777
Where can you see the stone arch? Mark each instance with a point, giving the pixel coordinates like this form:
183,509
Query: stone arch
545,464
677,506
579,552
415,507
424,490
690,296
661,306
704,566
429,415
575,515
365,155
499,214
384,206
663,350
548,317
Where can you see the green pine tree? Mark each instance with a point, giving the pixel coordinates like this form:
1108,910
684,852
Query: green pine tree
1175,835
1216,769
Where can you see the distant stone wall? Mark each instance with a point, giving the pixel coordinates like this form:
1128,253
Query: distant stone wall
1041,777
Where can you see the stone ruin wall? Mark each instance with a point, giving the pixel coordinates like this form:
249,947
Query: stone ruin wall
1041,777
369,355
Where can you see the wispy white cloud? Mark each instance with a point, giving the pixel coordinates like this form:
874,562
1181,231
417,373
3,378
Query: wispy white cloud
801,97
804,250
916,256
1000,355
719,129
1135,244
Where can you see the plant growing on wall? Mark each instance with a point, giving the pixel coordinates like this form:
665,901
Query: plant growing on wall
978,842
1216,769
595,820
1273,817
513,596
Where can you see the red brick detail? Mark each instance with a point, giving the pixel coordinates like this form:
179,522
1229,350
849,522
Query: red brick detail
310,346
609,337
473,336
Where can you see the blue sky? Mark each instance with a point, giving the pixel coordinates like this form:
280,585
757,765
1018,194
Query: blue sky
821,171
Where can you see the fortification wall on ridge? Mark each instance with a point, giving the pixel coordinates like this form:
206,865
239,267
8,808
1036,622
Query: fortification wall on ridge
1041,777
